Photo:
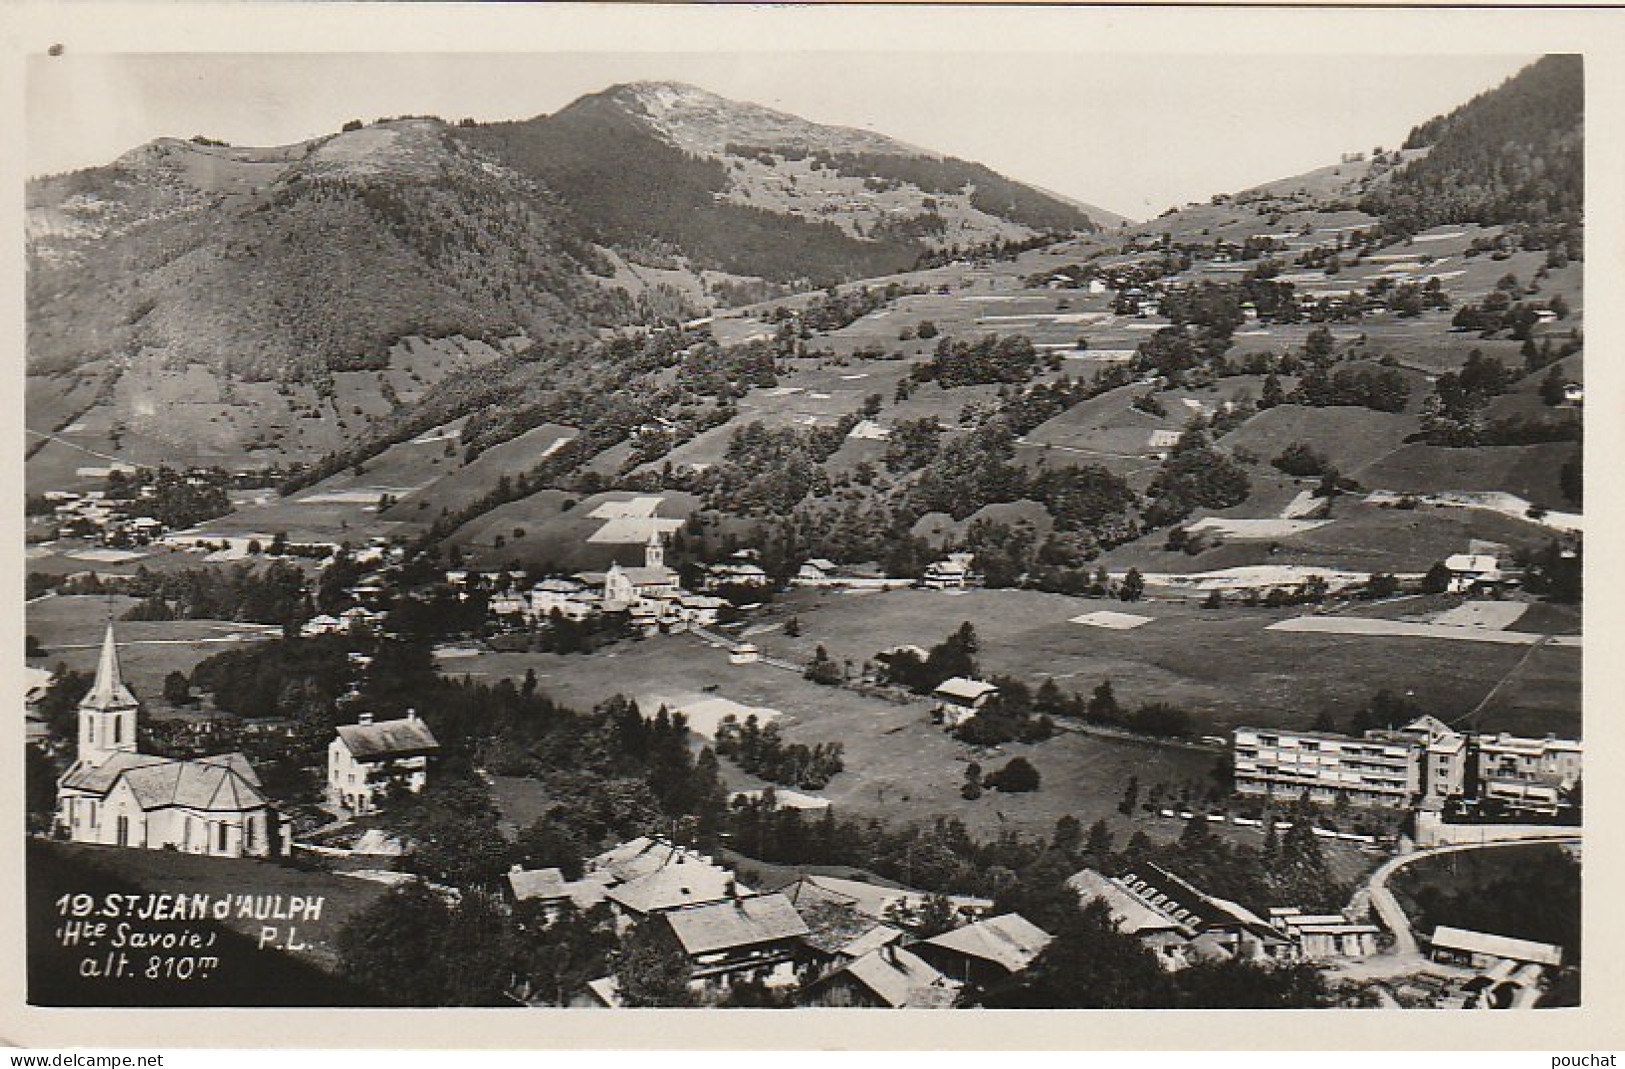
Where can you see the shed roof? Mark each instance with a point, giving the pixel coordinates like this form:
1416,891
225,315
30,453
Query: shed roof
1500,946
1133,916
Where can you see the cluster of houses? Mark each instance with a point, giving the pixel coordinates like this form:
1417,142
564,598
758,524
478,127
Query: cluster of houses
95,516
828,941
1425,764
355,618
650,595
653,599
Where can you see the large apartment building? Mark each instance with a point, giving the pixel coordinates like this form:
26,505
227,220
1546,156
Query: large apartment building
1368,771
1530,774
1425,759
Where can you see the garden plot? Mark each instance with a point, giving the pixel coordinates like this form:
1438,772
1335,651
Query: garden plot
1112,621
1358,625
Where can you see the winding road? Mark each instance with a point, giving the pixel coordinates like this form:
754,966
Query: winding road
1375,897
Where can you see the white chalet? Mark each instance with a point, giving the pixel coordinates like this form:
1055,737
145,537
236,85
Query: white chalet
950,573
959,699
1468,570
817,570
367,757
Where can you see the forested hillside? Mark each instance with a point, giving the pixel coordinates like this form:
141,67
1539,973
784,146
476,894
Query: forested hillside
1514,155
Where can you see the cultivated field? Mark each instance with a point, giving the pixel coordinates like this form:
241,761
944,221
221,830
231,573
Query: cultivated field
552,528
1221,665
71,629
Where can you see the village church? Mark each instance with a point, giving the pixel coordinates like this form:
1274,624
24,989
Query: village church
118,796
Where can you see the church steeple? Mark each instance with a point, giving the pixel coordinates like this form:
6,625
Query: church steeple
107,713
654,553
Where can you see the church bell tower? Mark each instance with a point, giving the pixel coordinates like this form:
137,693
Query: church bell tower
107,714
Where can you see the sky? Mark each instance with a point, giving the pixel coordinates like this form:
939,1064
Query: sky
1134,134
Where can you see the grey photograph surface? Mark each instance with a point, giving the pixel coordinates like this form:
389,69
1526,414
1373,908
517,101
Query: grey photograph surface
921,531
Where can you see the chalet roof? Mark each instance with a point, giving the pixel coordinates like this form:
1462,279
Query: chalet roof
869,899
736,922
634,858
544,884
1204,910
1430,727
1500,946
963,689
406,737
108,691
549,885
1471,562
682,883
901,979
834,926
1010,941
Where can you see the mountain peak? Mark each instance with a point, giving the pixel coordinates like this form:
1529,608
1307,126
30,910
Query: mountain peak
700,121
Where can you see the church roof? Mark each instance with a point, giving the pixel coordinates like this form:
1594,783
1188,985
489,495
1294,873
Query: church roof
99,779
214,783
640,575
109,691
222,783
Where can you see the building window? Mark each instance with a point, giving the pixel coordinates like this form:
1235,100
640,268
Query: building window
223,837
